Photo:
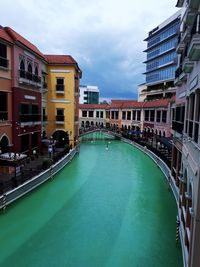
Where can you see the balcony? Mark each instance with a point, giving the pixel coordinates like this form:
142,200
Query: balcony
193,4
30,118
3,62
177,126
183,38
187,65
60,89
29,78
194,48
180,76
3,115
60,119
190,16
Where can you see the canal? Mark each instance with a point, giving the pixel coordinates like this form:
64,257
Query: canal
110,207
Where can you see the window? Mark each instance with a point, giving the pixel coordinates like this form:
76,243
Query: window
97,114
36,77
138,115
84,113
134,115
3,56
112,115
35,113
24,113
91,114
146,115
22,69
3,106
193,117
128,115
164,116
123,115
29,74
152,115
116,115
101,114
158,116
60,115
36,71
107,114
60,85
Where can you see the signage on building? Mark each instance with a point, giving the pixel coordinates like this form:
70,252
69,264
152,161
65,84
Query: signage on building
30,97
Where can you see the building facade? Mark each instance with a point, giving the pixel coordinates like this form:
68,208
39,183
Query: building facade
161,59
88,94
63,91
6,46
26,94
186,126
152,116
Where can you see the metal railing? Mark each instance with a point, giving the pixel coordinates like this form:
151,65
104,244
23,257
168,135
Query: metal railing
29,76
3,115
14,194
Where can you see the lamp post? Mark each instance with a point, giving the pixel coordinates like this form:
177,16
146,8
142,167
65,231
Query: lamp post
34,153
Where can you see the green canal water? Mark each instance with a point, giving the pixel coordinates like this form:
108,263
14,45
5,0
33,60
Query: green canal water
107,208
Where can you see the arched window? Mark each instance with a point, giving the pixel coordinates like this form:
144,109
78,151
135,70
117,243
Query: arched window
22,69
4,142
36,78
36,71
30,71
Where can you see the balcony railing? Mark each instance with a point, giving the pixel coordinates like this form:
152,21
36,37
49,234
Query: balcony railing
3,62
60,118
3,115
194,48
30,117
29,76
60,88
177,126
187,65
193,4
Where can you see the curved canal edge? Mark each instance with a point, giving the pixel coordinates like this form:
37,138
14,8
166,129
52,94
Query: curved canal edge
12,195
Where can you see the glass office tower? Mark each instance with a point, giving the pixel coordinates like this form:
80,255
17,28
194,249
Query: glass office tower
161,60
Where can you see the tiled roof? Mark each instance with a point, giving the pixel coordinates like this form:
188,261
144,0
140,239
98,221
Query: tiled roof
4,35
16,37
132,104
60,59
157,103
93,106
123,104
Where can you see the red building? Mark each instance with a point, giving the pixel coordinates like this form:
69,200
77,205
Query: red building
6,44
26,94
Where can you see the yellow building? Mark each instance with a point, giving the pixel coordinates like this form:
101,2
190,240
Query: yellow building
63,99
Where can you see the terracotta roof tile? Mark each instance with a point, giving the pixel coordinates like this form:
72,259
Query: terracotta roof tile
93,106
123,104
60,59
158,103
16,37
5,36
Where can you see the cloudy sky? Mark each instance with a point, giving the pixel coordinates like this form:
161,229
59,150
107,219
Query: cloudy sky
104,36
